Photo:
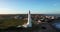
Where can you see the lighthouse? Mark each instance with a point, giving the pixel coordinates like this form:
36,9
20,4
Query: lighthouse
29,22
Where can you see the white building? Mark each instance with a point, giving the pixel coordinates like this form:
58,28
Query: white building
29,22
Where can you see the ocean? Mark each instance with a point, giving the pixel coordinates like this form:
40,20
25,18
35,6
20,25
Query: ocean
57,15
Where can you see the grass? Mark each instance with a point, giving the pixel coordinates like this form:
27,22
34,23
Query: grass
5,23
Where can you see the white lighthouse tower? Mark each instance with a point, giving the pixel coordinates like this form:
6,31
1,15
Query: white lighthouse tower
29,22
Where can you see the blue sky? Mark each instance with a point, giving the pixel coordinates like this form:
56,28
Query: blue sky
35,6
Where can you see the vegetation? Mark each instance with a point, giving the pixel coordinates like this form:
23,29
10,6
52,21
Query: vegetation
5,23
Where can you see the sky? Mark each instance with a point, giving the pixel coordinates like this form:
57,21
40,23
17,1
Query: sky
35,6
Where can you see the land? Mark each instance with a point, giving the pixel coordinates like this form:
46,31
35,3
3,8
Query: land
9,22
5,23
